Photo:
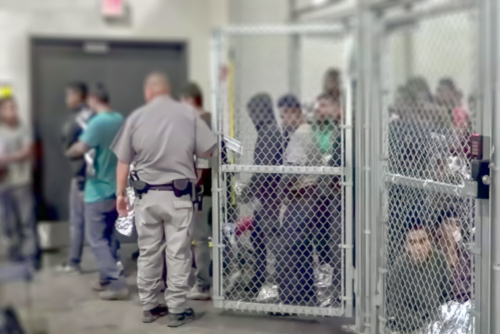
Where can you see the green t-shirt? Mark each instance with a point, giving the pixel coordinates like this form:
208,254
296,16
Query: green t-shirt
327,137
99,134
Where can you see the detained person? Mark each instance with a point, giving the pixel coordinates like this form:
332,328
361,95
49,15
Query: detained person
17,205
202,228
294,259
100,196
263,187
418,283
77,120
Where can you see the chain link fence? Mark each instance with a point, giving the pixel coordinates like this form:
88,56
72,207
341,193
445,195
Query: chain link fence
282,196
414,84
429,117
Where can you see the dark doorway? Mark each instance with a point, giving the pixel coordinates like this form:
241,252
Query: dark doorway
120,65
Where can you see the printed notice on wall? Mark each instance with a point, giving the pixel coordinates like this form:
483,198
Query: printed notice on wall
233,145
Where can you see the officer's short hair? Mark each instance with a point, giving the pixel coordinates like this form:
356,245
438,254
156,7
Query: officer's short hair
193,91
79,87
99,92
289,101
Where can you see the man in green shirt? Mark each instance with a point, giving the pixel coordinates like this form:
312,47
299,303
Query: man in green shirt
100,193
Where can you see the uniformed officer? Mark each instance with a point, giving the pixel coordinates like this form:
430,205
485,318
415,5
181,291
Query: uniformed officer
162,138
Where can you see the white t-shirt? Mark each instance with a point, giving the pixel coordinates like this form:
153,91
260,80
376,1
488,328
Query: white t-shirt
303,151
11,141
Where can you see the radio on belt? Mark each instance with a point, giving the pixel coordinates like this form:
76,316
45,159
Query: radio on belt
480,152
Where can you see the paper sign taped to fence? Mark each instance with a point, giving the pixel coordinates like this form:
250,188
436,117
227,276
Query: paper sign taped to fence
233,145
202,163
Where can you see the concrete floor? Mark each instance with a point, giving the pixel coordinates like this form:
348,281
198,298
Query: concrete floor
58,304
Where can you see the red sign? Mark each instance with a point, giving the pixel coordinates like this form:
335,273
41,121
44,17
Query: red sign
113,8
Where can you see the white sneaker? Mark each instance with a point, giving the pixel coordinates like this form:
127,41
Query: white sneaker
120,266
198,293
68,269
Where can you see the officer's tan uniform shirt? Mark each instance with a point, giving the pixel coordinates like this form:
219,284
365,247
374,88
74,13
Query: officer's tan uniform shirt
162,138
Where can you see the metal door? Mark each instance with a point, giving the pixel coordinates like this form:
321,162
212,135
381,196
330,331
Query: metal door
121,66
283,231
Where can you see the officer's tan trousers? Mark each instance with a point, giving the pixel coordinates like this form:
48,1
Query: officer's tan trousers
164,224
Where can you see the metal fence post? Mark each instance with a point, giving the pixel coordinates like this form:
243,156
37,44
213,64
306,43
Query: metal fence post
376,167
495,190
216,181
486,211
361,275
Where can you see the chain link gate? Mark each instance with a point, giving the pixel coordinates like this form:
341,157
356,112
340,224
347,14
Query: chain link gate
429,272
283,229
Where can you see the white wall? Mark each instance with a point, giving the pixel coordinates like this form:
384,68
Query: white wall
190,20
438,47
266,63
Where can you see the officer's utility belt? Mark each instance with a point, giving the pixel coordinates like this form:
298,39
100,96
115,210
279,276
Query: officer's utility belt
180,188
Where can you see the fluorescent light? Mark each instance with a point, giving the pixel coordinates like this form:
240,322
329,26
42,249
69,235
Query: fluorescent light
318,2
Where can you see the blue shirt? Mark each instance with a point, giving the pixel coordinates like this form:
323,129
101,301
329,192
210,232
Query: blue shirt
99,134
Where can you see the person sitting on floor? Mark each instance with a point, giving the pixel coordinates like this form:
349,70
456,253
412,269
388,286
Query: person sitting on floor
418,283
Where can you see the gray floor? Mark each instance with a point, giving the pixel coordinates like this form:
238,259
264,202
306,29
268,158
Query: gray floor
65,304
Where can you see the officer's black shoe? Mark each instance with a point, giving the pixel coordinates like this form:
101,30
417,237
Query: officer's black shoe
179,319
152,315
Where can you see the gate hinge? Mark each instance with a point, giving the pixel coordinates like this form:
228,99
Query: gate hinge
347,184
346,126
382,271
219,245
475,250
378,299
217,190
346,246
346,298
496,268
367,232
382,319
475,314
218,298
350,329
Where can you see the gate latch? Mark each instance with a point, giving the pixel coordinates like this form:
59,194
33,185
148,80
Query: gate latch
481,165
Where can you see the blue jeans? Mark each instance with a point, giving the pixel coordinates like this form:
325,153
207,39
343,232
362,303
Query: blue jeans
100,218
76,223
294,259
17,217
